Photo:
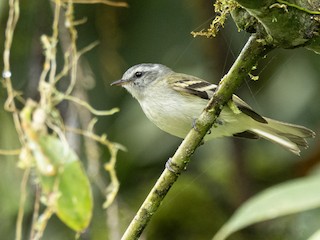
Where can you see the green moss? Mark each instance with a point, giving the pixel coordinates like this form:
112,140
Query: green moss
222,9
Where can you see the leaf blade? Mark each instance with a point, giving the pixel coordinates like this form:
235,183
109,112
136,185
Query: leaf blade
73,204
284,199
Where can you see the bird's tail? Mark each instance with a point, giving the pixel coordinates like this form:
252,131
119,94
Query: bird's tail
291,137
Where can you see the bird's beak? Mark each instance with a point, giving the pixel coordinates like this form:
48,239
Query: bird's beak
118,82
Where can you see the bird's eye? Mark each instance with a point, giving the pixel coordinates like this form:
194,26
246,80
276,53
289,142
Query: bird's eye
138,74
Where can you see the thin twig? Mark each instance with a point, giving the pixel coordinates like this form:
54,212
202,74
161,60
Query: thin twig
14,12
13,152
101,139
90,108
42,222
23,191
73,47
54,42
107,2
36,209
50,97
67,66
299,7
113,188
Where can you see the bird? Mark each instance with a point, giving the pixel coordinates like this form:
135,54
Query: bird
173,101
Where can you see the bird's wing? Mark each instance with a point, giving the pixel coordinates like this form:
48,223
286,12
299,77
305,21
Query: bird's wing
246,109
195,86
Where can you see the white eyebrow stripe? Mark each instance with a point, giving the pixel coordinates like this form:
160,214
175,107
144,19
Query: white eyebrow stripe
147,68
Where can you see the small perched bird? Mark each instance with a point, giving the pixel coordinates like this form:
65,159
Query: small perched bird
173,101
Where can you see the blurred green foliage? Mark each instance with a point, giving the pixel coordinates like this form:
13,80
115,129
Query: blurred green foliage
223,173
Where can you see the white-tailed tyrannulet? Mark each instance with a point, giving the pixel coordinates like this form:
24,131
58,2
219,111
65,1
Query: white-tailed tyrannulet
173,101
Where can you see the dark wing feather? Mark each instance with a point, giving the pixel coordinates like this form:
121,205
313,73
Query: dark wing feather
246,134
205,90
194,86
246,109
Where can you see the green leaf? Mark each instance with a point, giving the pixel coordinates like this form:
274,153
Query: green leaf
286,198
315,236
67,189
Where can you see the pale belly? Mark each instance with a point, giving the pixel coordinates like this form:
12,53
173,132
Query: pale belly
177,118
172,118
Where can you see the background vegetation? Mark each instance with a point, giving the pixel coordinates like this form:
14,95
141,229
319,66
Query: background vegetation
223,173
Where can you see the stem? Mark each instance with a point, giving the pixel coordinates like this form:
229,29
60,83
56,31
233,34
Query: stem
23,197
251,53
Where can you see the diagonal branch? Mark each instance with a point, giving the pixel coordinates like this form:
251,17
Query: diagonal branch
254,50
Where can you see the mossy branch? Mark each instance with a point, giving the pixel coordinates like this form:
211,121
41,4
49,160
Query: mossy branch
289,24
254,50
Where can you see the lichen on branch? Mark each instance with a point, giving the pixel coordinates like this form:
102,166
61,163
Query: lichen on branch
222,8
289,24
285,24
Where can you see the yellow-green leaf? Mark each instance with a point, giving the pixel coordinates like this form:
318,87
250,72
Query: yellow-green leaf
68,190
315,236
286,198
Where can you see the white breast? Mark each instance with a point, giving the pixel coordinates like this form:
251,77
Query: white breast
172,112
